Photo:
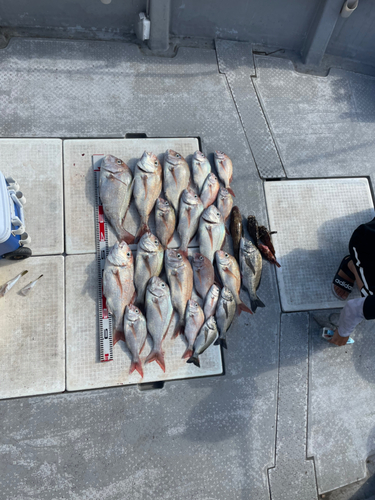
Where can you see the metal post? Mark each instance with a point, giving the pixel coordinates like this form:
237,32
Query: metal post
321,31
159,17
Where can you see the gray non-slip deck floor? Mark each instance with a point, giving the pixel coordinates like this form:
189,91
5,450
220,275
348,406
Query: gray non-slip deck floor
213,438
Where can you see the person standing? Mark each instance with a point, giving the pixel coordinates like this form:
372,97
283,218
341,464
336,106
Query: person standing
358,266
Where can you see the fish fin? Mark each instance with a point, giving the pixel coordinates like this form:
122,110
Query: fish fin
273,232
158,357
126,236
277,264
256,303
221,342
242,307
109,306
132,300
208,229
136,365
169,324
188,353
179,330
117,336
144,343
194,360
143,228
170,239
230,190
188,210
250,264
173,175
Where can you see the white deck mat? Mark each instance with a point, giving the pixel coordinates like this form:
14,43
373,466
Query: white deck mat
314,220
84,370
32,330
36,164
79,184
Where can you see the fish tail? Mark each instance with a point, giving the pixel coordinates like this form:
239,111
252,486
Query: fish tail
222,342
118,335
256,303
136,365
242,307
143,228
188,353
157,356
195,360
179,330
230,190
124,235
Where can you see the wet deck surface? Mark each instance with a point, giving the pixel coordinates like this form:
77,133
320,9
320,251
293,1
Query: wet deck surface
215,437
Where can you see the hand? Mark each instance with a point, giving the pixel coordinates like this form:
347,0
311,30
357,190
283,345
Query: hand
337,339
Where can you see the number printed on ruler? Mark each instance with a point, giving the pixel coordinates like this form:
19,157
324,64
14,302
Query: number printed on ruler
101,236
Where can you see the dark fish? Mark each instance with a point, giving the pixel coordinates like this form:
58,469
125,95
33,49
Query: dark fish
251,271
236,230
267,254
252,227
265,237
225,312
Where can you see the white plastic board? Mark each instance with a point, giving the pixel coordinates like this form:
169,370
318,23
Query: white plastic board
314,220
83,368
36,164
32,329
80,187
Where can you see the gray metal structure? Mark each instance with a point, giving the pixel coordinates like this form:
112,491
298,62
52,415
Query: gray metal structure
291,417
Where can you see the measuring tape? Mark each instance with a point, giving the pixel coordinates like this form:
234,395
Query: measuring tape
101,236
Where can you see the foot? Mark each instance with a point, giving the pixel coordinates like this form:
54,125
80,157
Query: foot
340,292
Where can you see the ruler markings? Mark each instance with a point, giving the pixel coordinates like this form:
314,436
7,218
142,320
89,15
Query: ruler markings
101,236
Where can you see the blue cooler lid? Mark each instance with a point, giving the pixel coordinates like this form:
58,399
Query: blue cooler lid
5,225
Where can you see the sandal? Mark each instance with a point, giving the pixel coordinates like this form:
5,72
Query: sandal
342,282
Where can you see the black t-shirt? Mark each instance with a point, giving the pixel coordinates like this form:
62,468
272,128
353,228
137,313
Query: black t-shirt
362,251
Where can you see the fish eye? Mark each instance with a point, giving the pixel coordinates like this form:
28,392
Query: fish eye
156,162
178,156
128,254
201,257
163,285
226,255
195,196
156,242
119,162
179,256
137,311
167,203
218,214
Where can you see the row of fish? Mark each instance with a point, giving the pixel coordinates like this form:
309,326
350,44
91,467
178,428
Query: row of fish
125,283
118,185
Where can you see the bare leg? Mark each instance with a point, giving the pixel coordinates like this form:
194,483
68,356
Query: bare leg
337,339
